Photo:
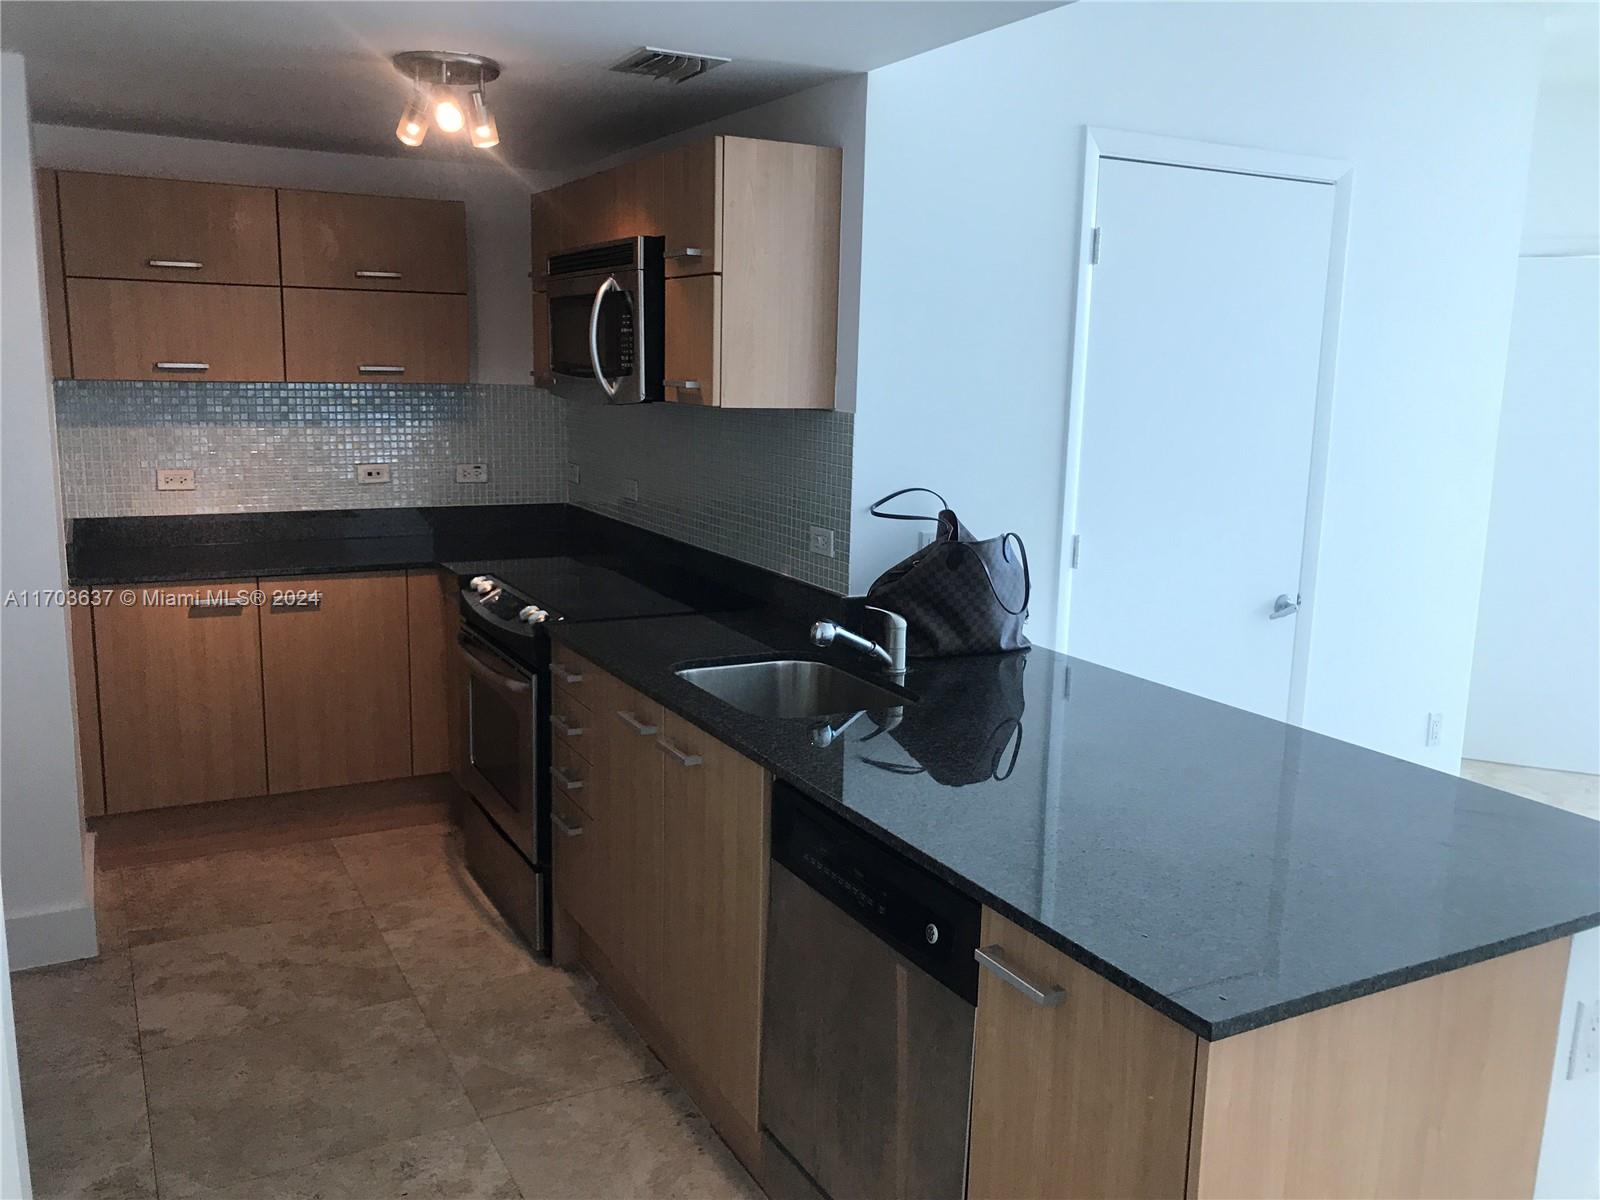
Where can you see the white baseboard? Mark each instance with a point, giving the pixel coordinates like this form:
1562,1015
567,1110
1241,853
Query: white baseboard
56,935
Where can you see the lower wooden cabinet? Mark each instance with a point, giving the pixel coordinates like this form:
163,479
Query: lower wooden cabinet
431,619
336,681
631,779
180,696
375,337
137,329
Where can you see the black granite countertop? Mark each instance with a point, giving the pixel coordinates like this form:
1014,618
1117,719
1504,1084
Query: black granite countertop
1230,870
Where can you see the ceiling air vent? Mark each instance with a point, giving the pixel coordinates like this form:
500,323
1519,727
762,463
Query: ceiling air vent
675,66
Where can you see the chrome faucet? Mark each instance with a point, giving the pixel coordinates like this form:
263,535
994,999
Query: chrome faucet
891,654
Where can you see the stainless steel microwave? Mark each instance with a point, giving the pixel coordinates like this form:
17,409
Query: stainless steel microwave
606,327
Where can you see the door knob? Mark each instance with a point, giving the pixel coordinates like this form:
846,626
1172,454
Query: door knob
1283,606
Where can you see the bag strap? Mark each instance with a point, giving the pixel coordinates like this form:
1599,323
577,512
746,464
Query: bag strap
1027,576
888,516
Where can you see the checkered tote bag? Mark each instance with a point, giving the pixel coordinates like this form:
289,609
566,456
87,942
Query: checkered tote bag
958,595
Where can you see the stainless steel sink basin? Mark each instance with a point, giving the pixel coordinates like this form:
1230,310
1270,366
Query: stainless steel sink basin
791,687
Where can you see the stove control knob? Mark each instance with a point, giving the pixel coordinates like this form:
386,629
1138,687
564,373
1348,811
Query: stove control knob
482,584
532,615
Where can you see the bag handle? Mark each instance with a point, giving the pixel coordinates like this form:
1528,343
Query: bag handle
887,516
1027,575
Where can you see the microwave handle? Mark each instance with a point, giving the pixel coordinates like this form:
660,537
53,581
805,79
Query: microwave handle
610,285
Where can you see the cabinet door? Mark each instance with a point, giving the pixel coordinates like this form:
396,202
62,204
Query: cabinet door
632,797
579,852
55,283
541,373
366,337
433,619
683,200
335,679
126,330
86,708
692,348
125,227
180,696
1090,1096
376,242
714,856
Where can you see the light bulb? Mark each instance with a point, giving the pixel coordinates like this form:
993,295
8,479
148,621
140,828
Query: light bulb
413,126
485,133
447,113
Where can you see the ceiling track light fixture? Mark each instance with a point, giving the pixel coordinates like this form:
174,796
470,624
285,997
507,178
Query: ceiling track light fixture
434,74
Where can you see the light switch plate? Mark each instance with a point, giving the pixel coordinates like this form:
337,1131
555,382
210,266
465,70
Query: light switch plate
175,479
573,473
472,473
821,541
372,472
630,489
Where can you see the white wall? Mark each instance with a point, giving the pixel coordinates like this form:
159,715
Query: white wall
972,187
1535,697
496,196
49,912
1563,213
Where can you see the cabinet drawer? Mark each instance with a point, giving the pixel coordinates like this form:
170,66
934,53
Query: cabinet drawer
180,696
577,677
371,337
134,330
578,855
571,724
693,346
123,227
381,243
573,776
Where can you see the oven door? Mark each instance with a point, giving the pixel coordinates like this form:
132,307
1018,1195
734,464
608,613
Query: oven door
502,766
596,351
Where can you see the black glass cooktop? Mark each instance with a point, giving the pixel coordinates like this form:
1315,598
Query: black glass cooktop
570,590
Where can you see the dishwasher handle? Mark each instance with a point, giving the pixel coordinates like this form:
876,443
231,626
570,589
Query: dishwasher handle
993,959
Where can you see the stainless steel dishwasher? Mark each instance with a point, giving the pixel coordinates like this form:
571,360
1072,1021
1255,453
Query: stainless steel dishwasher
871,987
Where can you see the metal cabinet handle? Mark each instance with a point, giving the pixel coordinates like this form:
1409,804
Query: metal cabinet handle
566,830
380,369
565,674
684,758
685,252
687,385
992,959
220,604
610,285
177,264
378,275
560,723
1283,606
181,366
638,726
289,606
567,782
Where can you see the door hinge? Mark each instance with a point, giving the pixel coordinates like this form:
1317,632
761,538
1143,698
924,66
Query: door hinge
1077,545
1094,247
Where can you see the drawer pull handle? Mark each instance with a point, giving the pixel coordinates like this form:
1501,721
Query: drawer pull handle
219,605
992,959
176,264
685,252
686,385
377,274
289,606
563,728
638,726
380,369
566,674
685,759
181,366
567,782
566,830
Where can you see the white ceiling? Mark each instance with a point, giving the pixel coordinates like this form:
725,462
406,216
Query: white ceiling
316,75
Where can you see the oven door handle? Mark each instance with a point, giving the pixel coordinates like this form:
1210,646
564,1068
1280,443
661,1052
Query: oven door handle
610,284
485,670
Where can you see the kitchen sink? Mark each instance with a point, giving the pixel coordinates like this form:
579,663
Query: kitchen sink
791,687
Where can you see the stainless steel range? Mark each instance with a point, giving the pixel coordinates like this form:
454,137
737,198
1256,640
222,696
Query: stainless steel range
507,608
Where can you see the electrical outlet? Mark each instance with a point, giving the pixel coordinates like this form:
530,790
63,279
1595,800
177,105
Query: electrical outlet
472,473
822,541
372,472
573,473
1435,729
630,489
175,479
1585,1056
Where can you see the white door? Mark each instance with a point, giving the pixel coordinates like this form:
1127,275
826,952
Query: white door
1199,414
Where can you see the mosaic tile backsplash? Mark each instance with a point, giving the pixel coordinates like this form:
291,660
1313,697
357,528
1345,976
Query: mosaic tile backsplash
745,484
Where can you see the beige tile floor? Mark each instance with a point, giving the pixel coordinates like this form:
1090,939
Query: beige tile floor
1563,789
342,1018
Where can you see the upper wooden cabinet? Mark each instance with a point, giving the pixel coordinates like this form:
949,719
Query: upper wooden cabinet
127,227
128,329
386,243
681,193
361,337
55,284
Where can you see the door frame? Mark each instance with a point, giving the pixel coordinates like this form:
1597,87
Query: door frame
1099,144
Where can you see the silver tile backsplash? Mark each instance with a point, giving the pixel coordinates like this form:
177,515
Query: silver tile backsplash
745,484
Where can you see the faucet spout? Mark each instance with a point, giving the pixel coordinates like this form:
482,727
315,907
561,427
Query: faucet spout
891,657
